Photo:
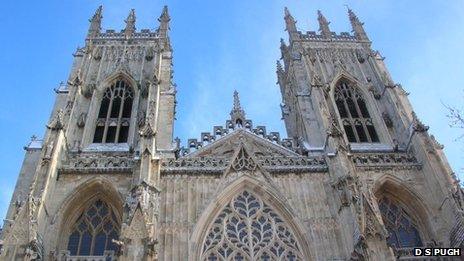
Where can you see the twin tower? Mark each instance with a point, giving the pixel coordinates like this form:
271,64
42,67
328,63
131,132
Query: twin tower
358,178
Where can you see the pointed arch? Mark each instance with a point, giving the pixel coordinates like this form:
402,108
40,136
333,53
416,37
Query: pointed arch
118,75
355,111
96,190
127,124
269,198
116,106
408,209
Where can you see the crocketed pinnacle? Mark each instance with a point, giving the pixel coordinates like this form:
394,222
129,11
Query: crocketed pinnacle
164,22
95,23
130,24
357,26
237,114
290,23
323,25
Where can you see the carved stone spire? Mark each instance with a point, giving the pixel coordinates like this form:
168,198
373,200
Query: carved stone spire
290,23
164,22
237,114
323,25
130,24
357,26
95,23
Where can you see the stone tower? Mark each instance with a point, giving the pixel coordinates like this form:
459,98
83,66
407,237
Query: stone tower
359,177
339,99
118,97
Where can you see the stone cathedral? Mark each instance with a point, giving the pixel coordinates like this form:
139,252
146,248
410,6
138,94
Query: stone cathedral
358,178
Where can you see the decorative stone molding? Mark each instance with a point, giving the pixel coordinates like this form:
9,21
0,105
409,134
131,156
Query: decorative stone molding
243,161
87,163
275,164
217,165
378,161
202,165
146,197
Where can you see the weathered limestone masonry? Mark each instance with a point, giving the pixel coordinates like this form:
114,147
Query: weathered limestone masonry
359,177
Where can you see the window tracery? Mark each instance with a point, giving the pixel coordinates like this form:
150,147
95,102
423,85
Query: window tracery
248,229
352,108
94,231
401,227
114,115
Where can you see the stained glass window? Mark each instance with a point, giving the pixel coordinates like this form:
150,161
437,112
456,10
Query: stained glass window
355,117
402,229
94,231
248,229
114,115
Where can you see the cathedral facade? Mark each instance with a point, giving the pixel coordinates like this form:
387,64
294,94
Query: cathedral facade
358,178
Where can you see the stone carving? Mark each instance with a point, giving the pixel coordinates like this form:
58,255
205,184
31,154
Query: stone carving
360,56
97,163
334,129
417,125
87,90
275,164
81,120
377,95
150,54
133,53
243,161
387,119
436,144
342,185
141,118
285,110
373,161
97,53
316,81
144,196
48,152
202,164
57,121
147,131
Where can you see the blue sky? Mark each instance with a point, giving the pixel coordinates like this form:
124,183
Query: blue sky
220,46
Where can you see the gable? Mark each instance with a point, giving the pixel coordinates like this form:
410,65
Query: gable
226,146
217,156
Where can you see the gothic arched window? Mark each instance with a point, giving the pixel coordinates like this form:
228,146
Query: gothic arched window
355,117
114,115
402,230
248,229
94,231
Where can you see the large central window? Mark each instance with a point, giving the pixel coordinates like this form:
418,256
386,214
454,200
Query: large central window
114,115
249,229
355,117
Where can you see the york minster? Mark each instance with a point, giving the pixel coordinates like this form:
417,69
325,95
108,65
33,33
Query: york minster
357,176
